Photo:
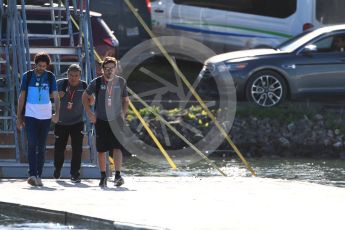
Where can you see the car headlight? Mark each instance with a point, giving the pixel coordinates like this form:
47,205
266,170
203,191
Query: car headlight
231,66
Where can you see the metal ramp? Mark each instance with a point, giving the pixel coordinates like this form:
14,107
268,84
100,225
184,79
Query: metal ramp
63,42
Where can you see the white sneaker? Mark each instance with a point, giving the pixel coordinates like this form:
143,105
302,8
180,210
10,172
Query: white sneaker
39,181
32,181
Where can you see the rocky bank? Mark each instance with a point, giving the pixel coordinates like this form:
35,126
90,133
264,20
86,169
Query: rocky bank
277,132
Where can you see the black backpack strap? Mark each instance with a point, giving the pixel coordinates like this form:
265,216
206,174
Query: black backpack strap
98,86
64,85
50,80
28,79
84,84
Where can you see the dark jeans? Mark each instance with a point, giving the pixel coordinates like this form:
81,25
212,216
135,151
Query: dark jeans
36,134
62,132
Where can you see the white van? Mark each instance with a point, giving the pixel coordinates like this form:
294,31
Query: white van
226,25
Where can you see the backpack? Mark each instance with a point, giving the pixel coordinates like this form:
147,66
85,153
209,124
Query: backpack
28,79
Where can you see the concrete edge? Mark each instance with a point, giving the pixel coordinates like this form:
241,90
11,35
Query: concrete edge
66,218
20,170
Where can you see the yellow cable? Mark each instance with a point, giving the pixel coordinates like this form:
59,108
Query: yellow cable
184,79
154,138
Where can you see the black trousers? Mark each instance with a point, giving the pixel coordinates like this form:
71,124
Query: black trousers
62,132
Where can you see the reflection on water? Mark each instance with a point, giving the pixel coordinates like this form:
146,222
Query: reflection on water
35,226
326,172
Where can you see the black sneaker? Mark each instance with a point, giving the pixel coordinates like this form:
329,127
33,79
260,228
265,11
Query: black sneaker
75,179
56,174
103,182
119,181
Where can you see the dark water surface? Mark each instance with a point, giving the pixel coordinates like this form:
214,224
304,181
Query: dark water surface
319,171
15,222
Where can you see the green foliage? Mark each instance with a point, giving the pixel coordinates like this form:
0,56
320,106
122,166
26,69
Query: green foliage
143,112
193,113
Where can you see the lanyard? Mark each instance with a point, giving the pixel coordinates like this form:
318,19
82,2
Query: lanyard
39,82
109,89
71,93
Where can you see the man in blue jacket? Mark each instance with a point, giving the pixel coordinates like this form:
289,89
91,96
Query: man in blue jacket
37,86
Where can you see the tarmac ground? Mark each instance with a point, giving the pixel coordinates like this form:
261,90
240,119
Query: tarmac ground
240,203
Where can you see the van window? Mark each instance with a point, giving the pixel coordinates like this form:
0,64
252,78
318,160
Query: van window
270,8
330,11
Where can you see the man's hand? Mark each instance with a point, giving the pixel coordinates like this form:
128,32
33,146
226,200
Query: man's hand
55,118
92,117
20,122
91,100
123,116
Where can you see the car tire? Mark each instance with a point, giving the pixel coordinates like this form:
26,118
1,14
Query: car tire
266,89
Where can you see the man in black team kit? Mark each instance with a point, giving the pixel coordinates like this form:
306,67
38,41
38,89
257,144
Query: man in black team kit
111,106
70,123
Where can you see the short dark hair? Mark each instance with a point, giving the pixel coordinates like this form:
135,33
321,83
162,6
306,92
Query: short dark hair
74,67
42,57
109,60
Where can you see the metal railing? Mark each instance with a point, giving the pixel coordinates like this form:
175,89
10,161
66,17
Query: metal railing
16,53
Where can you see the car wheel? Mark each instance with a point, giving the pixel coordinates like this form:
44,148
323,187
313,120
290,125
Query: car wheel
266,89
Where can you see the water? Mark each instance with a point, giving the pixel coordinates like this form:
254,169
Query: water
10,222
319,171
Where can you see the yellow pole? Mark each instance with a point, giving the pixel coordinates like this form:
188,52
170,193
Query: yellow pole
184,79
154,138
